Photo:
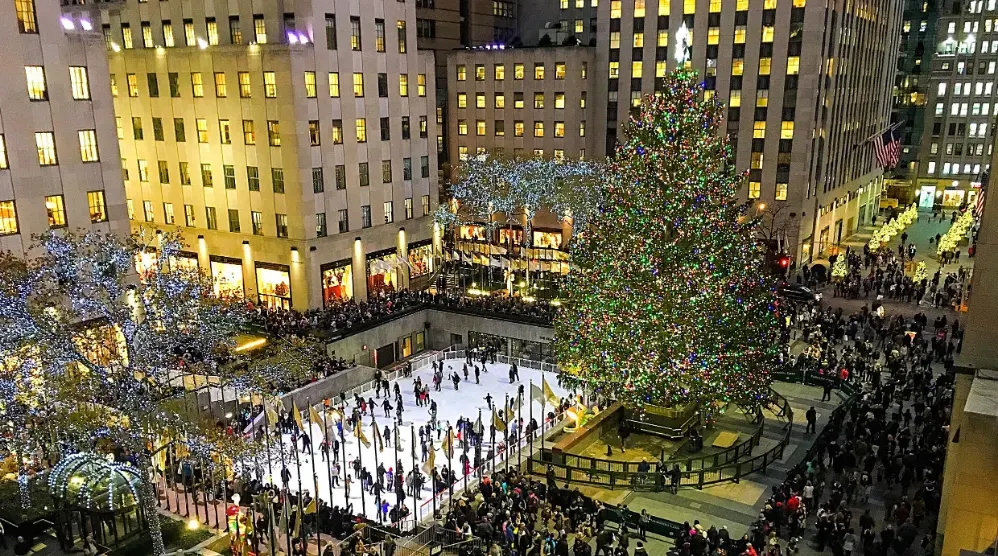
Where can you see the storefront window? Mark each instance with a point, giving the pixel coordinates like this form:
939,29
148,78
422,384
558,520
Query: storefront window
420,341
405,347
382,271
547,240
483,340
420,259
145,264
534,351
185,261
273,284
227,276
337,282
510,237
472,232
953,198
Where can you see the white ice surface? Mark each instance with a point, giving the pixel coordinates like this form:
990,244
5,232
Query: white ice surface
451,405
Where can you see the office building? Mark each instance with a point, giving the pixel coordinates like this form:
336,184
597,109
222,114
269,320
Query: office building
918,32
956,146
293,150
59,164
806,84
522,102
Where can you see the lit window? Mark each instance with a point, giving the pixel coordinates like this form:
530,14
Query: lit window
636,70
3,153
614,70
639,8
639,40
538,100
274,133
202,125
462,73
787,130
663,38
582,128
80,81
225,132
421,84
559,70
559,100
539,71
197,85
26,23
269,84
45,143
661,68
360,126
8,218
764,65
403,85
518,71
538,129
260,29
615,9
37,89
500,100
358,84
713,35
479,100
221,90
480,72
754,190
518,128
56,209
793,65
97,206
759,130
334,84
762,98
559,129
739,34
614,39
249,132
767,33
88,145
462,100
737,66
781,192
310,89
480,128
462,127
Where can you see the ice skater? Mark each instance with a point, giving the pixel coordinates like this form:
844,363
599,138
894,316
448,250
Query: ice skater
387,405
488,400
478,374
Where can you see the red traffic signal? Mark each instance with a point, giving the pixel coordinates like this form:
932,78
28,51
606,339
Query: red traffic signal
783,261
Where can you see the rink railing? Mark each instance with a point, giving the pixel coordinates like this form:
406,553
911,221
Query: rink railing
570,471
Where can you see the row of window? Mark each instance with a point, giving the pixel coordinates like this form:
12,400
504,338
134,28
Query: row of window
55,207
664,6
499,126
245,85
273,131
973,149
964,109
46,150
38,83
211,36
557,154
954,168
234,223
499,71
499,100
276,174
972,130
968,88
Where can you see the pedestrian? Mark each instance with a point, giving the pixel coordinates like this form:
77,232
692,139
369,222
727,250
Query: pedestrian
812,420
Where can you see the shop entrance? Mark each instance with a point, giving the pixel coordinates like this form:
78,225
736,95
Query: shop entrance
927,197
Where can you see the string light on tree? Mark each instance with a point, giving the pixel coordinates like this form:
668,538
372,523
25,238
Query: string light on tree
667,302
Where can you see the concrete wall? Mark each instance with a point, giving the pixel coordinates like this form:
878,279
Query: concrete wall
439,326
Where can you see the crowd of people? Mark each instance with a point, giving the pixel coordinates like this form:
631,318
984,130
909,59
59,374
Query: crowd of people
346,315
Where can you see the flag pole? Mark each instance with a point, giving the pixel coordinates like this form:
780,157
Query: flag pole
346,471
413,473
505,434
360,463
270,472
530,454
398,468
377,464
329,457
519,431
315,481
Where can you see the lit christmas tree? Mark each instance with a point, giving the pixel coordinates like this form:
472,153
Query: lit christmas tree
667,302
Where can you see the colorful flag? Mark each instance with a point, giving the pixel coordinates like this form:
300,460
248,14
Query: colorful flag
498,423
548,392
271,414
297,415
310,509
379,442
314,416
536,393
887,147
431,459
358,431
448,444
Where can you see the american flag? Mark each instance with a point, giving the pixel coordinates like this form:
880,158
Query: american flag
887,147
979,204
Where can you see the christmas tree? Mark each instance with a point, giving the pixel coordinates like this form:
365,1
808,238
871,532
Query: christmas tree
667,302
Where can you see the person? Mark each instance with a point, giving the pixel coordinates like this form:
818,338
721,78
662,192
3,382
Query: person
643,520
826,393
640,550
812,420
676,475
22,547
